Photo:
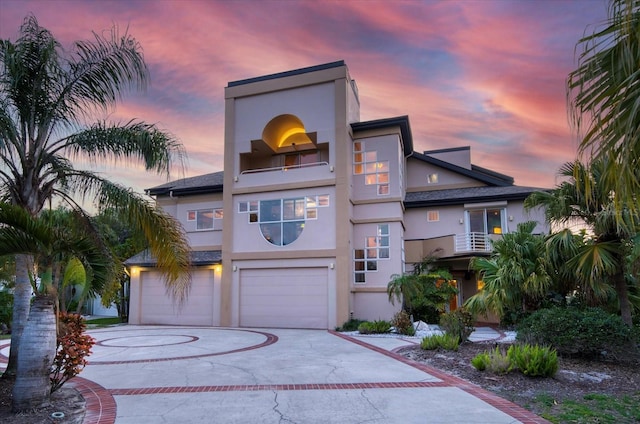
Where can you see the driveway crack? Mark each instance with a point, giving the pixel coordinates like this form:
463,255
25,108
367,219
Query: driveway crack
276,405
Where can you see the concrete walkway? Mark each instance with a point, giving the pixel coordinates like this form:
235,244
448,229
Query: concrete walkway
149,374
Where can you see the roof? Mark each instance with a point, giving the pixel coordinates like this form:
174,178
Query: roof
478,173
401,121
287,73
457,196
201,184
199,257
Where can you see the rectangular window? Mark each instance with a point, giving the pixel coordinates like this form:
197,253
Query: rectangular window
191,216
433,216
204,219
486,221
218,214
432,179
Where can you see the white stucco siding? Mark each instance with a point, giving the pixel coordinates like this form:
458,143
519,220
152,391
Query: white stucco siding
284,298
157,307
418,226
419,171
373,306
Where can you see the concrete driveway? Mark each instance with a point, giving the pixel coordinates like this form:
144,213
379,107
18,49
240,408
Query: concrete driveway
149,374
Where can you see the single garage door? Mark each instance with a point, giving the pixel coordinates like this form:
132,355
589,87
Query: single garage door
284,298
157,306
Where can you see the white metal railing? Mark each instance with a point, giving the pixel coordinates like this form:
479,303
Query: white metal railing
283,168
472,242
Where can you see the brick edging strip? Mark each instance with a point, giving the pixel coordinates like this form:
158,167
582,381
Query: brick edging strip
100,404
515,411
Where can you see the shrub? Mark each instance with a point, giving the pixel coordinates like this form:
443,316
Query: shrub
589,332
458,323
374,327
351,325
402,322
534,361
445,341
481,361
499,362
72,348
6,307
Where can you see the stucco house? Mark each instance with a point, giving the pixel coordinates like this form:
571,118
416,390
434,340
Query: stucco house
315,210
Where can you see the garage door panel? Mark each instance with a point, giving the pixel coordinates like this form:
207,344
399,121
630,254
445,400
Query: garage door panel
157,306
284,298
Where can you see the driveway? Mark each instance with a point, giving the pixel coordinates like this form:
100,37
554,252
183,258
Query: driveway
160,374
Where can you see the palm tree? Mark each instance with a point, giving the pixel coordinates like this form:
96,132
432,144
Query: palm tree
20,233
604,99
603,258
515,277
51,106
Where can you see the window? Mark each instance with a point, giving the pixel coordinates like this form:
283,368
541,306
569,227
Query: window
432,178
376,249
487,221
204,217
295,160
433,216
281,221
375,172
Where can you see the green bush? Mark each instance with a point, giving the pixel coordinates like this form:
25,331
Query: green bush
589,332
481,361
374,327
499,362
351,325
445,341
534,361
402,322
458,323
6,307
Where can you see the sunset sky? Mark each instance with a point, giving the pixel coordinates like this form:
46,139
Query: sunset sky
481,73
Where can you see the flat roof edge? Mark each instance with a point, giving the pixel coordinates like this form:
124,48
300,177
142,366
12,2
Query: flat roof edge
300,71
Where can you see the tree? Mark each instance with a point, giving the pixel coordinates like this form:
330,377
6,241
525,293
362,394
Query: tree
20,233
604,258
52,104
604,100
515,276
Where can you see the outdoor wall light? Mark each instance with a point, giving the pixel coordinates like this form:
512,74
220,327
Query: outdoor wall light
235,179
331,169
235,268
331,265
461,221
510,217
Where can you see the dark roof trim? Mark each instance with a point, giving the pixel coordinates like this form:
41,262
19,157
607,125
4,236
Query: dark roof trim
399,121
201,184
486,176
465,199
449,149
300,71
197,258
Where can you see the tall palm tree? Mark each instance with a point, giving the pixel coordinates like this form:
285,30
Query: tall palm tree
604,256
515,276
604,100
52,104
20,233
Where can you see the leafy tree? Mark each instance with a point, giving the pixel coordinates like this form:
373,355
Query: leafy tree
606,257
20,233
52,104
515,276
425,292
604,99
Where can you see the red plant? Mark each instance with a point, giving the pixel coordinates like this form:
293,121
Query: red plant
72,348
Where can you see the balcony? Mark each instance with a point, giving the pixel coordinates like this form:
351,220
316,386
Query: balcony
472,243
283,168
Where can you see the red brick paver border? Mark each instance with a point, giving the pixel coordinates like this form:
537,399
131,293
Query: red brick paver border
509,408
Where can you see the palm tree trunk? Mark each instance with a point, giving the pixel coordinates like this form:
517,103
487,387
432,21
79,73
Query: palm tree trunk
33,388
623,299
21,303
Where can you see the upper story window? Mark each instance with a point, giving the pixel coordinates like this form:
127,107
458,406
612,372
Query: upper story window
487,221
281,221
432,178
375,172
204,217
433,216
293,160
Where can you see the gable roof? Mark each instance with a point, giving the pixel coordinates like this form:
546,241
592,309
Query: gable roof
401,121
457,196
478,173
201,184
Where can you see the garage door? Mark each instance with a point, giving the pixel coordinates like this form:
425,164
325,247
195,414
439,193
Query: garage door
158,308
284,298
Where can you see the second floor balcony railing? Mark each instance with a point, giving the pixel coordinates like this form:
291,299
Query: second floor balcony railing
283,168
472,242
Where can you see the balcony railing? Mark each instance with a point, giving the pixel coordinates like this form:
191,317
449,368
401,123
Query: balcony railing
472,242
283,168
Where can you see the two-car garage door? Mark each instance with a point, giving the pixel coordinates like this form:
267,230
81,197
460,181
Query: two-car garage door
156,307
284,298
